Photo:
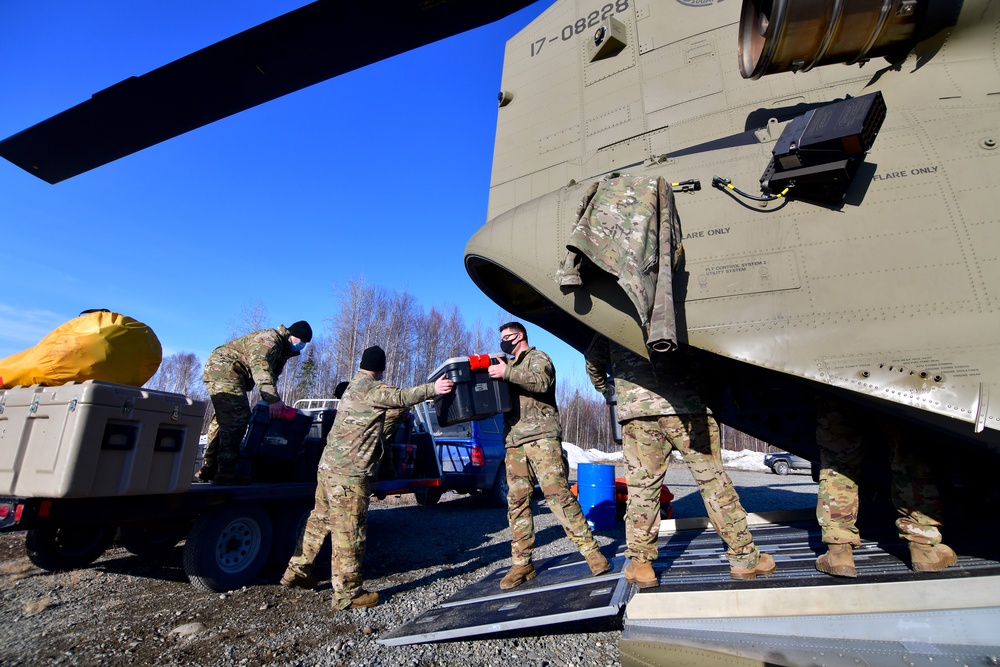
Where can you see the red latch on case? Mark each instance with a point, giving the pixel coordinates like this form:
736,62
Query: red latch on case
478,362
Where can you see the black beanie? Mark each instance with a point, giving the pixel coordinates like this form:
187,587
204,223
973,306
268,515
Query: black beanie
301,330
373,359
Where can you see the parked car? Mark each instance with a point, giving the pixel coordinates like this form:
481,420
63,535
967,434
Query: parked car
782,462
472,457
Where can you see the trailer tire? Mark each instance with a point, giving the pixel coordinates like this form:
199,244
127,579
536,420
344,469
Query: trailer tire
154,541
428,496
227,548
67,547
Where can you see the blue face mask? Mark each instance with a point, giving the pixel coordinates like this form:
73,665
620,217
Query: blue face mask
297,347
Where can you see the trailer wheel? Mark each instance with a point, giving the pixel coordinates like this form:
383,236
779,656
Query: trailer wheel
227,548
67,547
153,541
428,496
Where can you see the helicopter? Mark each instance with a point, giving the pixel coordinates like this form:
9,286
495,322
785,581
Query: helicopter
829,163
852,282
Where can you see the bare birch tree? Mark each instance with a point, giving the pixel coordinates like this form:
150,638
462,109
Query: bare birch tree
402,320
585,417
483,338
179,374
253,316
428,351
352,329
457,338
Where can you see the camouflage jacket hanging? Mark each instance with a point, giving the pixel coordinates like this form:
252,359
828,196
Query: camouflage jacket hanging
624,225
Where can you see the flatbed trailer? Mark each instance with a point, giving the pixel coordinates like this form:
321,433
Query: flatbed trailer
231,533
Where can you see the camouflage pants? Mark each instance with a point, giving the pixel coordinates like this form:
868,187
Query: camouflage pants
541,460
342,512
647,443
840,437
228,424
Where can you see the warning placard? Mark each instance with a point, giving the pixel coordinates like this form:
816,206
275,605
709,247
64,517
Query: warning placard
766,272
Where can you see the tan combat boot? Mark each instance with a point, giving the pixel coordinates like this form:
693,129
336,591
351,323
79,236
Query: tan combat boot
765,565
597,562
838,561
364,599
295,578
517,576
207,473
641,574
925,558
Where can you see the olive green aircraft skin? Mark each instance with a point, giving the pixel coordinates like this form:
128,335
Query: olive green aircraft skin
891,297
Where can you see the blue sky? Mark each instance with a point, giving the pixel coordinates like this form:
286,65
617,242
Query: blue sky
383,172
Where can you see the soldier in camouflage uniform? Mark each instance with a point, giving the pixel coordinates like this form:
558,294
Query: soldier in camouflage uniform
840,436
533,439
354,447
660,409
230,372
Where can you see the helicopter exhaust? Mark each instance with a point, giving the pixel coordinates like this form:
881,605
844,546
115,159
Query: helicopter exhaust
795,36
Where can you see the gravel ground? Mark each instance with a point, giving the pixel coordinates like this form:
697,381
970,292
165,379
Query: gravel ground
127,611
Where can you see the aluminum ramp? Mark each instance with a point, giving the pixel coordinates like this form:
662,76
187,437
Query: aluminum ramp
564,590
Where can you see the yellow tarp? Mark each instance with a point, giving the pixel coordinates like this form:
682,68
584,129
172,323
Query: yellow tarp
95,346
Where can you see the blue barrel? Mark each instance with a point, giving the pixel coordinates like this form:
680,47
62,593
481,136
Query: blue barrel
596,483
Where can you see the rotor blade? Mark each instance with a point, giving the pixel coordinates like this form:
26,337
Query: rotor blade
288,53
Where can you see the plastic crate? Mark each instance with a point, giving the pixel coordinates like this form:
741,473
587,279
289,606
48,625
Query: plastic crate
276,438
476,394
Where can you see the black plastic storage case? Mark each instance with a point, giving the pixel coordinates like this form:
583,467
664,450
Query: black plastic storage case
476,394
276,438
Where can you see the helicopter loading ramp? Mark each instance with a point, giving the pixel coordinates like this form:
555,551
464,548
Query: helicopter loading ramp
889,615
564,590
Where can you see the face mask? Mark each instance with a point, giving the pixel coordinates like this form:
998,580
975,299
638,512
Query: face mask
297,347
507,346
